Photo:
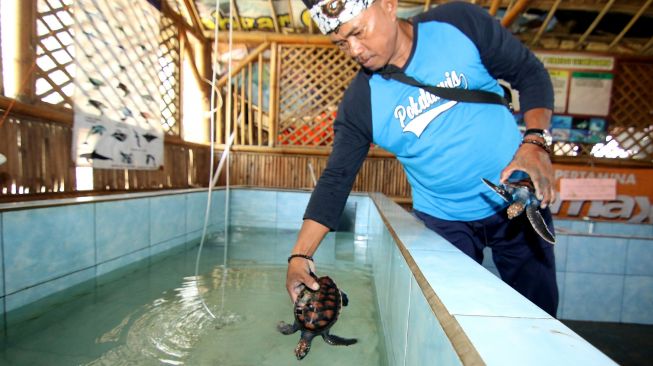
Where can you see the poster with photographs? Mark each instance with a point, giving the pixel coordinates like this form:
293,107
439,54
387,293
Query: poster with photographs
117,114
588,130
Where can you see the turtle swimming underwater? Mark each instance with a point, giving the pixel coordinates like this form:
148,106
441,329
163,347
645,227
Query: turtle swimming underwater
521,197
315,314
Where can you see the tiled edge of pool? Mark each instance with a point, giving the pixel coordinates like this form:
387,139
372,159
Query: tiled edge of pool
478,318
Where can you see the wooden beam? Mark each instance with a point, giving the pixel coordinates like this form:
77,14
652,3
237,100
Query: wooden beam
292,18
494,7
235,14
259,37
38,111
273,14
181,21
250,57
514,13
195,17
25,56
274,95
596,21
544,25
645,48
630,24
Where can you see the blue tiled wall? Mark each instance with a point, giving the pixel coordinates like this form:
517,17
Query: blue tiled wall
502,327
412,332
45,250
604,271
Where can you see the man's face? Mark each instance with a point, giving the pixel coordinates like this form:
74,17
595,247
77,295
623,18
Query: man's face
370,37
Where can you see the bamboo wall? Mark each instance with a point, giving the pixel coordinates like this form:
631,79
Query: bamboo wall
378,173
39,163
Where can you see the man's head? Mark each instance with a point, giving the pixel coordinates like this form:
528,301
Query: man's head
330,14
364,29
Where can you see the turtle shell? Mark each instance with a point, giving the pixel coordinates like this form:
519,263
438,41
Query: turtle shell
317,311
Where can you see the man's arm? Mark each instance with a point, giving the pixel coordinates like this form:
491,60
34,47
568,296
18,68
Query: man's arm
353,135
298,274
534,160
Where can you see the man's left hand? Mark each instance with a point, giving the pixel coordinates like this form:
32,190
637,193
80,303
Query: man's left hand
536,162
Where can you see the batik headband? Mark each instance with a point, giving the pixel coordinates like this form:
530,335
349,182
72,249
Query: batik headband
331,14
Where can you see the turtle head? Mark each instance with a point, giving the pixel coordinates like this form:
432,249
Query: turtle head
345,299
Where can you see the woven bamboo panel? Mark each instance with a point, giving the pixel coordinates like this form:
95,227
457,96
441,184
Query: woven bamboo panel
312,80
55,50
293,171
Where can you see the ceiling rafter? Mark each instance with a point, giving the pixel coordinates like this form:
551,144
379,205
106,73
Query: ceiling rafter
191,8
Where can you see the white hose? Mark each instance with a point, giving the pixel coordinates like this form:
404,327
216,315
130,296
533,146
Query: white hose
213,178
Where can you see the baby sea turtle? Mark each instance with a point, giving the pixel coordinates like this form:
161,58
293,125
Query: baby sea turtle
315,314
520,196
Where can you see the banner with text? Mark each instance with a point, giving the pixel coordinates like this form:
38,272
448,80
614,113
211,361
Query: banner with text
633,199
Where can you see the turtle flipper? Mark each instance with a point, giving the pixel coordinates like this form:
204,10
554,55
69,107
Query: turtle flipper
501,191
345,299
304,344
538,224
286,328
334,340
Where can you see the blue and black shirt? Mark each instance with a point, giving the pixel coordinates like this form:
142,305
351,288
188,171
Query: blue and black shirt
445,146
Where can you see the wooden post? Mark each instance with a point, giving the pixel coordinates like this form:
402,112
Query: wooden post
259,113
207,72
514,13
494,7
544,25
25,50
274,95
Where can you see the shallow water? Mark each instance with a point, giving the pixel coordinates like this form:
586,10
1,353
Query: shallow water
152,315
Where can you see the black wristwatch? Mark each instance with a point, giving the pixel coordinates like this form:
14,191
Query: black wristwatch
544,134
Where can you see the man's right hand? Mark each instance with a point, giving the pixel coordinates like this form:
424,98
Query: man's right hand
298,275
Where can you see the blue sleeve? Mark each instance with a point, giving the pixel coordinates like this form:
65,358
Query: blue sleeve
353,136
503,55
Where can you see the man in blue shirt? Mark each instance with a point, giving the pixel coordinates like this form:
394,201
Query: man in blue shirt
445,146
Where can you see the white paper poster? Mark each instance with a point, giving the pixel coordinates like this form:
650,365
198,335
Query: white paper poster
117,99
589,93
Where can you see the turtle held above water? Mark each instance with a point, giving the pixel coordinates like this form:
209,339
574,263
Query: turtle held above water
315,314
520,195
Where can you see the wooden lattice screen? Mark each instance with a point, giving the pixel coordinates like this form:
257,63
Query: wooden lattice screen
312,80
55,65
55,53
631,117
169,62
